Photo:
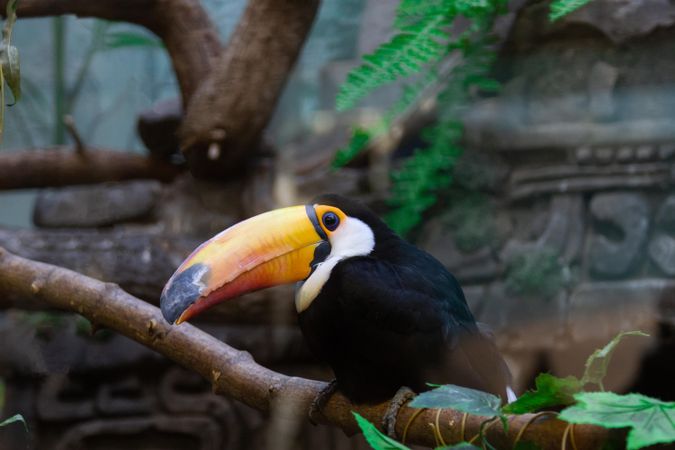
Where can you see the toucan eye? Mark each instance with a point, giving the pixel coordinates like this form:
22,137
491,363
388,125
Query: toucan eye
330,221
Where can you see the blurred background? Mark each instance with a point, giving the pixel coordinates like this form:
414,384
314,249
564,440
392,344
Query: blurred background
559,221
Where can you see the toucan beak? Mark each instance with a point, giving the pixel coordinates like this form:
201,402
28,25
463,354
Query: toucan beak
273,248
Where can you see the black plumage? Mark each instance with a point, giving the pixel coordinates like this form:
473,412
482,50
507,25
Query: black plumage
397,317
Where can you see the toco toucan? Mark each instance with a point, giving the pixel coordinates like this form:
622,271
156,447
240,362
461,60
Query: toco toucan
380,312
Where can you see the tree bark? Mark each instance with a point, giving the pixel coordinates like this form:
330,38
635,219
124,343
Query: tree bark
227,115
234,373
183,25
63,166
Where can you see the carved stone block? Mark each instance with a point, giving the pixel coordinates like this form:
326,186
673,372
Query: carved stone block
620,232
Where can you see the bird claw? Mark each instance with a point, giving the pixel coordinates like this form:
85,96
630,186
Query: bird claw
402,396
315,409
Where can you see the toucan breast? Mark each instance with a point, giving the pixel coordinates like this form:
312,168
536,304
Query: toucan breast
352,238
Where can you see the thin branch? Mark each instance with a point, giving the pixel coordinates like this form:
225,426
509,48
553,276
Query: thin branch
183,25
62,166
235,374
69,122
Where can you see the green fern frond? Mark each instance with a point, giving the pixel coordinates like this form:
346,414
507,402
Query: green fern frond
422,47
412,11
362,137
561,8
407,53
429,170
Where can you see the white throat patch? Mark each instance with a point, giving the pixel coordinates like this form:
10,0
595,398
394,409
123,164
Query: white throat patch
352,238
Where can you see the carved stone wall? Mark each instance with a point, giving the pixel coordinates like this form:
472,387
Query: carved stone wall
582,139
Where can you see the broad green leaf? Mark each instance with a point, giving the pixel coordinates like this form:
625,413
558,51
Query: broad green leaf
460,398
122,39
15,418
374,437
561,8
550,391
651,421
596,364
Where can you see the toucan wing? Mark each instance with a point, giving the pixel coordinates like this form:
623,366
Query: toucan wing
423,317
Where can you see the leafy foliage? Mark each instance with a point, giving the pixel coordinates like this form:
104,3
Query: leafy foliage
536,272
550,391
124,39
462,399
460,446
380,441
423,51
10,72
596,364
15,418
377,439
553,391
416,45
651,421
561,8
430,61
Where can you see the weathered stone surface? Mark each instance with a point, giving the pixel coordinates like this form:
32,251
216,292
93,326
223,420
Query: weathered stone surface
96,205
140,260
601,81
602,309
563,232
621,20
621,227
200,208
662,244
438,240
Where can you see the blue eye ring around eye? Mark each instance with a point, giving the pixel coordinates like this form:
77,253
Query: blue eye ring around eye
330,221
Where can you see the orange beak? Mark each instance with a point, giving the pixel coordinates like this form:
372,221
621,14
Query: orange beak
273,248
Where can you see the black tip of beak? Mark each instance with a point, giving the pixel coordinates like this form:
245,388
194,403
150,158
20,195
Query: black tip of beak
183,290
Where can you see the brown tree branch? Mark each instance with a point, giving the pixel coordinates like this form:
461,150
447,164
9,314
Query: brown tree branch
183,25
63,166
234,373
227,115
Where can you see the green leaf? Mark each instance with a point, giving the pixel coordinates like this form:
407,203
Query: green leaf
561,8
13,419
123,39
405,54
359,140
596,364
651,421
377,439
550,391
460,398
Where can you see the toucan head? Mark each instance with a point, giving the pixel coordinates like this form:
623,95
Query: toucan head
295,244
